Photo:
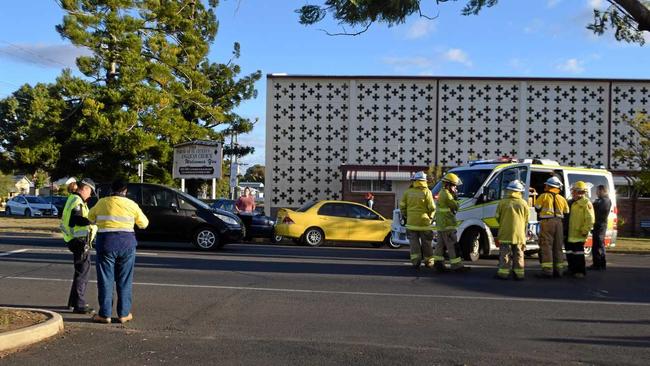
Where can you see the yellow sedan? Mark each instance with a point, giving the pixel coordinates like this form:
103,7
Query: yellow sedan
318,221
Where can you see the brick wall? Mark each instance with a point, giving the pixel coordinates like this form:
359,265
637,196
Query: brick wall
631,212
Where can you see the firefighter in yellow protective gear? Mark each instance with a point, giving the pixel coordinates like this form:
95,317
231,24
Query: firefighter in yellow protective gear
581,221
551,207
446,225
512,215
418,208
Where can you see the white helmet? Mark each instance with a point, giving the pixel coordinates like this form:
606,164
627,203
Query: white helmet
419,176
553,182
516,186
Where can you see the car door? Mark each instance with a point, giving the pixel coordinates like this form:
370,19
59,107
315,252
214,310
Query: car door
21,205
189,218
366,225
161,207
333,219
496,191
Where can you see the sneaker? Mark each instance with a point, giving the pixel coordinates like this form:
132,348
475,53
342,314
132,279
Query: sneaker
125,319
85,310
100,319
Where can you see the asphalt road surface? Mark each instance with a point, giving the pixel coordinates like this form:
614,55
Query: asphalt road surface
289,305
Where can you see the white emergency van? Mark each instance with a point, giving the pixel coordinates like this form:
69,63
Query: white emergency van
483,186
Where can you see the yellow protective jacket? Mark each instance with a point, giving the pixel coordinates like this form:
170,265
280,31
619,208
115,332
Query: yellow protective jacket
446,213
418,207
85,232
547,209
117,213
512,216
581,220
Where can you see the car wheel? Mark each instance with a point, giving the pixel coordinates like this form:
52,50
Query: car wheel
389,242
470,245
8,211
587,251
276,239
28,212
314,237
206,239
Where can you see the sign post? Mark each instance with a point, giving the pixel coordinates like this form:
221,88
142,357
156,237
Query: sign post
198,160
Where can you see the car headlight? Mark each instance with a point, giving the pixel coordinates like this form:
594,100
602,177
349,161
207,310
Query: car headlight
227,219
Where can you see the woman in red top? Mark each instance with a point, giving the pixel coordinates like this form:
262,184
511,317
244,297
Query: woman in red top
245,203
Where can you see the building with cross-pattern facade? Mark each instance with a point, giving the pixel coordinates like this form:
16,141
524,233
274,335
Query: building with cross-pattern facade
339,137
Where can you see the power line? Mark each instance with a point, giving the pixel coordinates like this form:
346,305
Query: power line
33,53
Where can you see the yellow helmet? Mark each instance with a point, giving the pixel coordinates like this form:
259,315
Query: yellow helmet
452,178
580,186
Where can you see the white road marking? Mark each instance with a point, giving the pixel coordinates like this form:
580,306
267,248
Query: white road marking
353,293
4,254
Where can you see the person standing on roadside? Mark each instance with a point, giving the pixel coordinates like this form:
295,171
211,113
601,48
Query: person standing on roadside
551,207
446,225
602,206
512,215
245,203
581,222
78,235
115,216
370,200
418,208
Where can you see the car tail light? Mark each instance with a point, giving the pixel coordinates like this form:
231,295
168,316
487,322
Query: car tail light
287,220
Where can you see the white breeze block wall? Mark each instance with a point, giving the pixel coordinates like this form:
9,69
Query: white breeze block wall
316,124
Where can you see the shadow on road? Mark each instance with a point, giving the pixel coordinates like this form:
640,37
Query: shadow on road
604,321
639,342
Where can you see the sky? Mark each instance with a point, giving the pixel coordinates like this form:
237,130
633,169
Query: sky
529,38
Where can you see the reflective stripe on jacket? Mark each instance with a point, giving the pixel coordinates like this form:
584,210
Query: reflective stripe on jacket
69,232
418,207
446,213
512,215
117,214
581,220
549,209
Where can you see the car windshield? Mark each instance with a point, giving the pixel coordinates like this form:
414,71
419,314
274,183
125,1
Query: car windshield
472,180
35,200
192,199
306,206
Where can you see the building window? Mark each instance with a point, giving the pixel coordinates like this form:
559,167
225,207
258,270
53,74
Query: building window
371,186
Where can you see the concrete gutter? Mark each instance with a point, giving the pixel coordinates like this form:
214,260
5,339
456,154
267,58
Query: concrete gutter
29,335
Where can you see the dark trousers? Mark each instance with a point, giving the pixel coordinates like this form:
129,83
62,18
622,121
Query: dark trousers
575,256
81,259
598,246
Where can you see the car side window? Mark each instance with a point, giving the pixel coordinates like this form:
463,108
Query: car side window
133,193
332,209
185,205
363,213
156,197
493,189
22,200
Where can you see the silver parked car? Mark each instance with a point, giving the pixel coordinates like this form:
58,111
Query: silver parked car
30,206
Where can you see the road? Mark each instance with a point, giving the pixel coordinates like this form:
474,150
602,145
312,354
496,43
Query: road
287,305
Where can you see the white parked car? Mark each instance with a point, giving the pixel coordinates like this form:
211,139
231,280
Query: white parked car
30,206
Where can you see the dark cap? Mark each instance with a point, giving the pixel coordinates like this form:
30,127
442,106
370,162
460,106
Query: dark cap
88,182
119,185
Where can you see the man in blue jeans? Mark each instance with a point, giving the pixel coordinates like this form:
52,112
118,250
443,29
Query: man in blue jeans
115,247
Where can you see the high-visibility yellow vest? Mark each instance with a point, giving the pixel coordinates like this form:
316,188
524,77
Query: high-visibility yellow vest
70,233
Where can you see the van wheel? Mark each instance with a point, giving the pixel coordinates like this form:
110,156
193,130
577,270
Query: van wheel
314,237
470,244
206,239
587,251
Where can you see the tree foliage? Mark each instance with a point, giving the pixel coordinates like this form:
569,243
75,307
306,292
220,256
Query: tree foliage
254,173
628,18
6,184
637,151
147,85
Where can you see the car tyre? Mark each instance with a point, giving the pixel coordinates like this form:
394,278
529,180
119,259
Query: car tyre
276,239
7,211
206,238
314,237
28,212
587,251
470,245
389,242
